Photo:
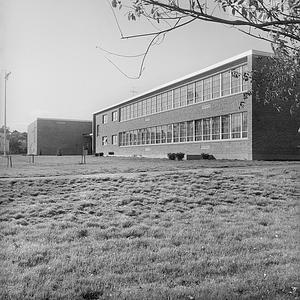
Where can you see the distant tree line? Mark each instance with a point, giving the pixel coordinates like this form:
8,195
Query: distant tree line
17,141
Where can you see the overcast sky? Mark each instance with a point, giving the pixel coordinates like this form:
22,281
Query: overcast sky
57,71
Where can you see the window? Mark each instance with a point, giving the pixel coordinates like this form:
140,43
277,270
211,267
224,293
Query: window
135,137
182,131
236,80
216,86
153,105
132,111
158,103
175,132
148,106
198,130
128,112
104,140
245,77
176,98
206,129
169,133
158,134
207,89
122,138
152,135
182,101
244,125
114,116
199,91
170,100
104,119
164,133
215,126
225,83
143,132
139,137
164,101
122,114
190,94
236,126
190,131
225,127
147,130
98,130
114,139
135,110
144,105
127,136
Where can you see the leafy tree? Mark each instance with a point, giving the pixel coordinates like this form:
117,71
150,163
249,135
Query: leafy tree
276,21
17,141
280,19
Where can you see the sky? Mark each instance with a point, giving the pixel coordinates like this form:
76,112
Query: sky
57,71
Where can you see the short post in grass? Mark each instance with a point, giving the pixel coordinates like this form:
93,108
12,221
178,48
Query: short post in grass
31,158
83,156
8,161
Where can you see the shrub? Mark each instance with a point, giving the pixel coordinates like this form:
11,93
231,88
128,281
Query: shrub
207,156
179,155
111,153
171,156
101,154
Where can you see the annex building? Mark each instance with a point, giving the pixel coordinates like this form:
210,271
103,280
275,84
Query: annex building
59,137
208,111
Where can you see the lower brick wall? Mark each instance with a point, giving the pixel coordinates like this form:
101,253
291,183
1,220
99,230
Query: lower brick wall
238,149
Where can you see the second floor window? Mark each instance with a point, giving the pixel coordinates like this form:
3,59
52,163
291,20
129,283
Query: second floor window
104,119
114,116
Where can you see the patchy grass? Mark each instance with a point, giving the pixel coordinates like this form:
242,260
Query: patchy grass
201,234
70,165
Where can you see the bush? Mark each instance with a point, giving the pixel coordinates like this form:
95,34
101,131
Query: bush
171,156
207,156
179,155
111,153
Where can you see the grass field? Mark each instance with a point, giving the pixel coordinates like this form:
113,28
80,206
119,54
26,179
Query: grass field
217,230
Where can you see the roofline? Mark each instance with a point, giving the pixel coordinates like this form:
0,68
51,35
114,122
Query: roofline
206,69
55,119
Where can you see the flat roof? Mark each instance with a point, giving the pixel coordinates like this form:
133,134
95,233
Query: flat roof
206,69
63,120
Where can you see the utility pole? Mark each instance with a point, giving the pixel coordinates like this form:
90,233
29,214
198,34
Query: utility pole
5,79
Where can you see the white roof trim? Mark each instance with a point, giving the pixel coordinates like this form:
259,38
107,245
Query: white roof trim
214,66
62,120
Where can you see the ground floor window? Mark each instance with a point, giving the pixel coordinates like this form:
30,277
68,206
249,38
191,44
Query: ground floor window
104,140
224,127
114,139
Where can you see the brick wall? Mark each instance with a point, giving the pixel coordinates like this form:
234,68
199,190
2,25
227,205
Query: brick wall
64,136
275,134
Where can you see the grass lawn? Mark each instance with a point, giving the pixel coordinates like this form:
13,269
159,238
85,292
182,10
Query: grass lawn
218,230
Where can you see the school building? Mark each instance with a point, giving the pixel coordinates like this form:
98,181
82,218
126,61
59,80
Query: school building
208,111
59,137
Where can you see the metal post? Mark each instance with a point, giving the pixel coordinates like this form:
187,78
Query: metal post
5,79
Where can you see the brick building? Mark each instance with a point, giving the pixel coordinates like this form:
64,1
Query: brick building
208,111
59,137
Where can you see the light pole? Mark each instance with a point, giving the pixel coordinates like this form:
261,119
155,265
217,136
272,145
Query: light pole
5,79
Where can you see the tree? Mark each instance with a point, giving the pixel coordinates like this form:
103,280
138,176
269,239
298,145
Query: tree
276,21
279,19
17,141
